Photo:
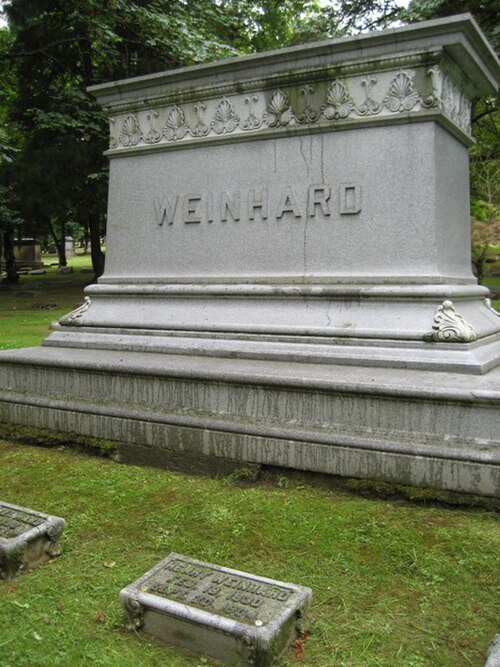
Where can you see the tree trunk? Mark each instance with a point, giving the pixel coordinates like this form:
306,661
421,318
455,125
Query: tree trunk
60,243
10,262
93,222
95,247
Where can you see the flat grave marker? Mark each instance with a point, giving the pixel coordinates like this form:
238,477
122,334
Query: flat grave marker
232,616
27,538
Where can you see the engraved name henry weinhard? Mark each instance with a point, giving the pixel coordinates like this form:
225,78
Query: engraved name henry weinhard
319,199
239,597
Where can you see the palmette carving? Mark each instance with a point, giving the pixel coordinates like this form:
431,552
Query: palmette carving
131,132
176,127
338,102
390,93
401,96
279,112
450,327
226,119
447,97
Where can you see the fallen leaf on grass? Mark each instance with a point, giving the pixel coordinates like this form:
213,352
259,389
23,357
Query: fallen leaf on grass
109,564
37,636
59,606
298,647
101,618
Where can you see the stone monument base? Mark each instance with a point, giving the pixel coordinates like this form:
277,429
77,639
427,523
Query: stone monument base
409,426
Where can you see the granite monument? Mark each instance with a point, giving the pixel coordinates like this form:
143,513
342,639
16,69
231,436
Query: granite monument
288,273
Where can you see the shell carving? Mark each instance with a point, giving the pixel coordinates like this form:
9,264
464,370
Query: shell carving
450,327
176,127
401,96
279,111
131,132
339,103
226,119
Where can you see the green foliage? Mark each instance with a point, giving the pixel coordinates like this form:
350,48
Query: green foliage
57,50
271,24
484,11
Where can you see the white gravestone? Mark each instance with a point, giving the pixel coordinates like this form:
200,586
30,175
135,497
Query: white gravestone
233,616
288,271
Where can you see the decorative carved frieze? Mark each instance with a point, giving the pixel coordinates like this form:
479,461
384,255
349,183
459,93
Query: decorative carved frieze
320,103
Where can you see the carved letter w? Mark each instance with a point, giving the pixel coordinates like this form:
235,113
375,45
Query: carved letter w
165,210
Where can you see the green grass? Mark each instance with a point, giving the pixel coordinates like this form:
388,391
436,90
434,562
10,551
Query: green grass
395,584
27,309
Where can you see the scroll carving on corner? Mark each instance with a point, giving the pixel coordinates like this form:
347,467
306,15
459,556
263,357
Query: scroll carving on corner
135,612
72,319
450,327
328,102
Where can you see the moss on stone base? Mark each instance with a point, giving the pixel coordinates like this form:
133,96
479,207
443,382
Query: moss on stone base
43,437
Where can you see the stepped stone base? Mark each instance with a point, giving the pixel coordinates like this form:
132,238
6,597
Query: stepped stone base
413,427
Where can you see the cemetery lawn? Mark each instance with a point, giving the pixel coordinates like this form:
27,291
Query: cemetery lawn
27,309
395,583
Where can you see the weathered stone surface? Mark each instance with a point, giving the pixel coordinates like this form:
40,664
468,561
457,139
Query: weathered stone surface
232,616
288,268
27,538
493,658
